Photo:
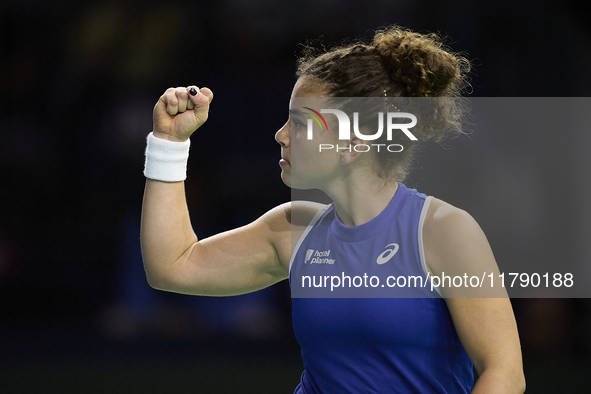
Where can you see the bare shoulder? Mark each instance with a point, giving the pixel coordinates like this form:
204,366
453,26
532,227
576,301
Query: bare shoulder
304,211
444,221
454,242
286,223
292,214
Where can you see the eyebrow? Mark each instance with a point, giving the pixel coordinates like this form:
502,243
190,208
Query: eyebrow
295,112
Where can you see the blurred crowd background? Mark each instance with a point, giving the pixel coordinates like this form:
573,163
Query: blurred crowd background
78,81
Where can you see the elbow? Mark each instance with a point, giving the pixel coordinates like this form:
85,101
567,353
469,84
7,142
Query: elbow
517,378
521,383
155,281
169,281
159,280
158,275
502,380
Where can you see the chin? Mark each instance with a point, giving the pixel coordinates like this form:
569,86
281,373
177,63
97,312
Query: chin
286,178
293,185
296,183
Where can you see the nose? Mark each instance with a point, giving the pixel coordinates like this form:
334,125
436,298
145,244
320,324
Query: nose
282,135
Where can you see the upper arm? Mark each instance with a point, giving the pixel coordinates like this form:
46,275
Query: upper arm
455,245
238,261
241,260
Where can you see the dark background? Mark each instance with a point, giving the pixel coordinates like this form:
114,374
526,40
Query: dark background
78,82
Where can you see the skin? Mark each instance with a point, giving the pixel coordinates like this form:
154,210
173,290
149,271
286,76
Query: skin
257,255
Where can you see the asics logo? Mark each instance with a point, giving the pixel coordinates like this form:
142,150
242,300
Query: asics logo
387,254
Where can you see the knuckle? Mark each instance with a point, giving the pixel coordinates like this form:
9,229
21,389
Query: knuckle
169,97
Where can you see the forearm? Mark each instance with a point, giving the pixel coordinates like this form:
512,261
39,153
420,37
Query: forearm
501,381
166,232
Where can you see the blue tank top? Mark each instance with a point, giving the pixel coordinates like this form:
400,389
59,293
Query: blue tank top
382,329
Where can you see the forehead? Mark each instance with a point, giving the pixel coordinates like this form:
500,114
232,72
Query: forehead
306,93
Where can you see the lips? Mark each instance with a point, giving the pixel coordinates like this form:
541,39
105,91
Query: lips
284,158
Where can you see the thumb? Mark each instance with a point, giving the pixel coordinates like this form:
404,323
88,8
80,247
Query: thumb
200,97
207,93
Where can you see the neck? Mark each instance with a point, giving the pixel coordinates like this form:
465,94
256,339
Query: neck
361,197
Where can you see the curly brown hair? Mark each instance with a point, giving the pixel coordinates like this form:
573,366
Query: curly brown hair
398,63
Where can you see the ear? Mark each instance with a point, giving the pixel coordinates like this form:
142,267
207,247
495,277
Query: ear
353,151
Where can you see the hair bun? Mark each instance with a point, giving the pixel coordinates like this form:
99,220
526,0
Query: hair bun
419,65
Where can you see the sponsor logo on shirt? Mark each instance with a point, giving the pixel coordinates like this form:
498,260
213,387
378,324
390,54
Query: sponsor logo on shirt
318,257
387,254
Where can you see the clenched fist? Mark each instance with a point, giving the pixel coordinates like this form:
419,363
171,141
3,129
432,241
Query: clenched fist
180,111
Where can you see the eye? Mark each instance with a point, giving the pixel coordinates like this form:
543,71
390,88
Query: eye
298,129
297,124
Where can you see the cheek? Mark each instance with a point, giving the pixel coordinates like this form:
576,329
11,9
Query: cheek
299,134
302,153
306,156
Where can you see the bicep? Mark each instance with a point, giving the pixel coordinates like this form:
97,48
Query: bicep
234,262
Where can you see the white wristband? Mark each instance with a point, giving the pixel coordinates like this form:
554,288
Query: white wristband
166,160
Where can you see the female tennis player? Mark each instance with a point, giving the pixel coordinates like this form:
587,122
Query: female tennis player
349,345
